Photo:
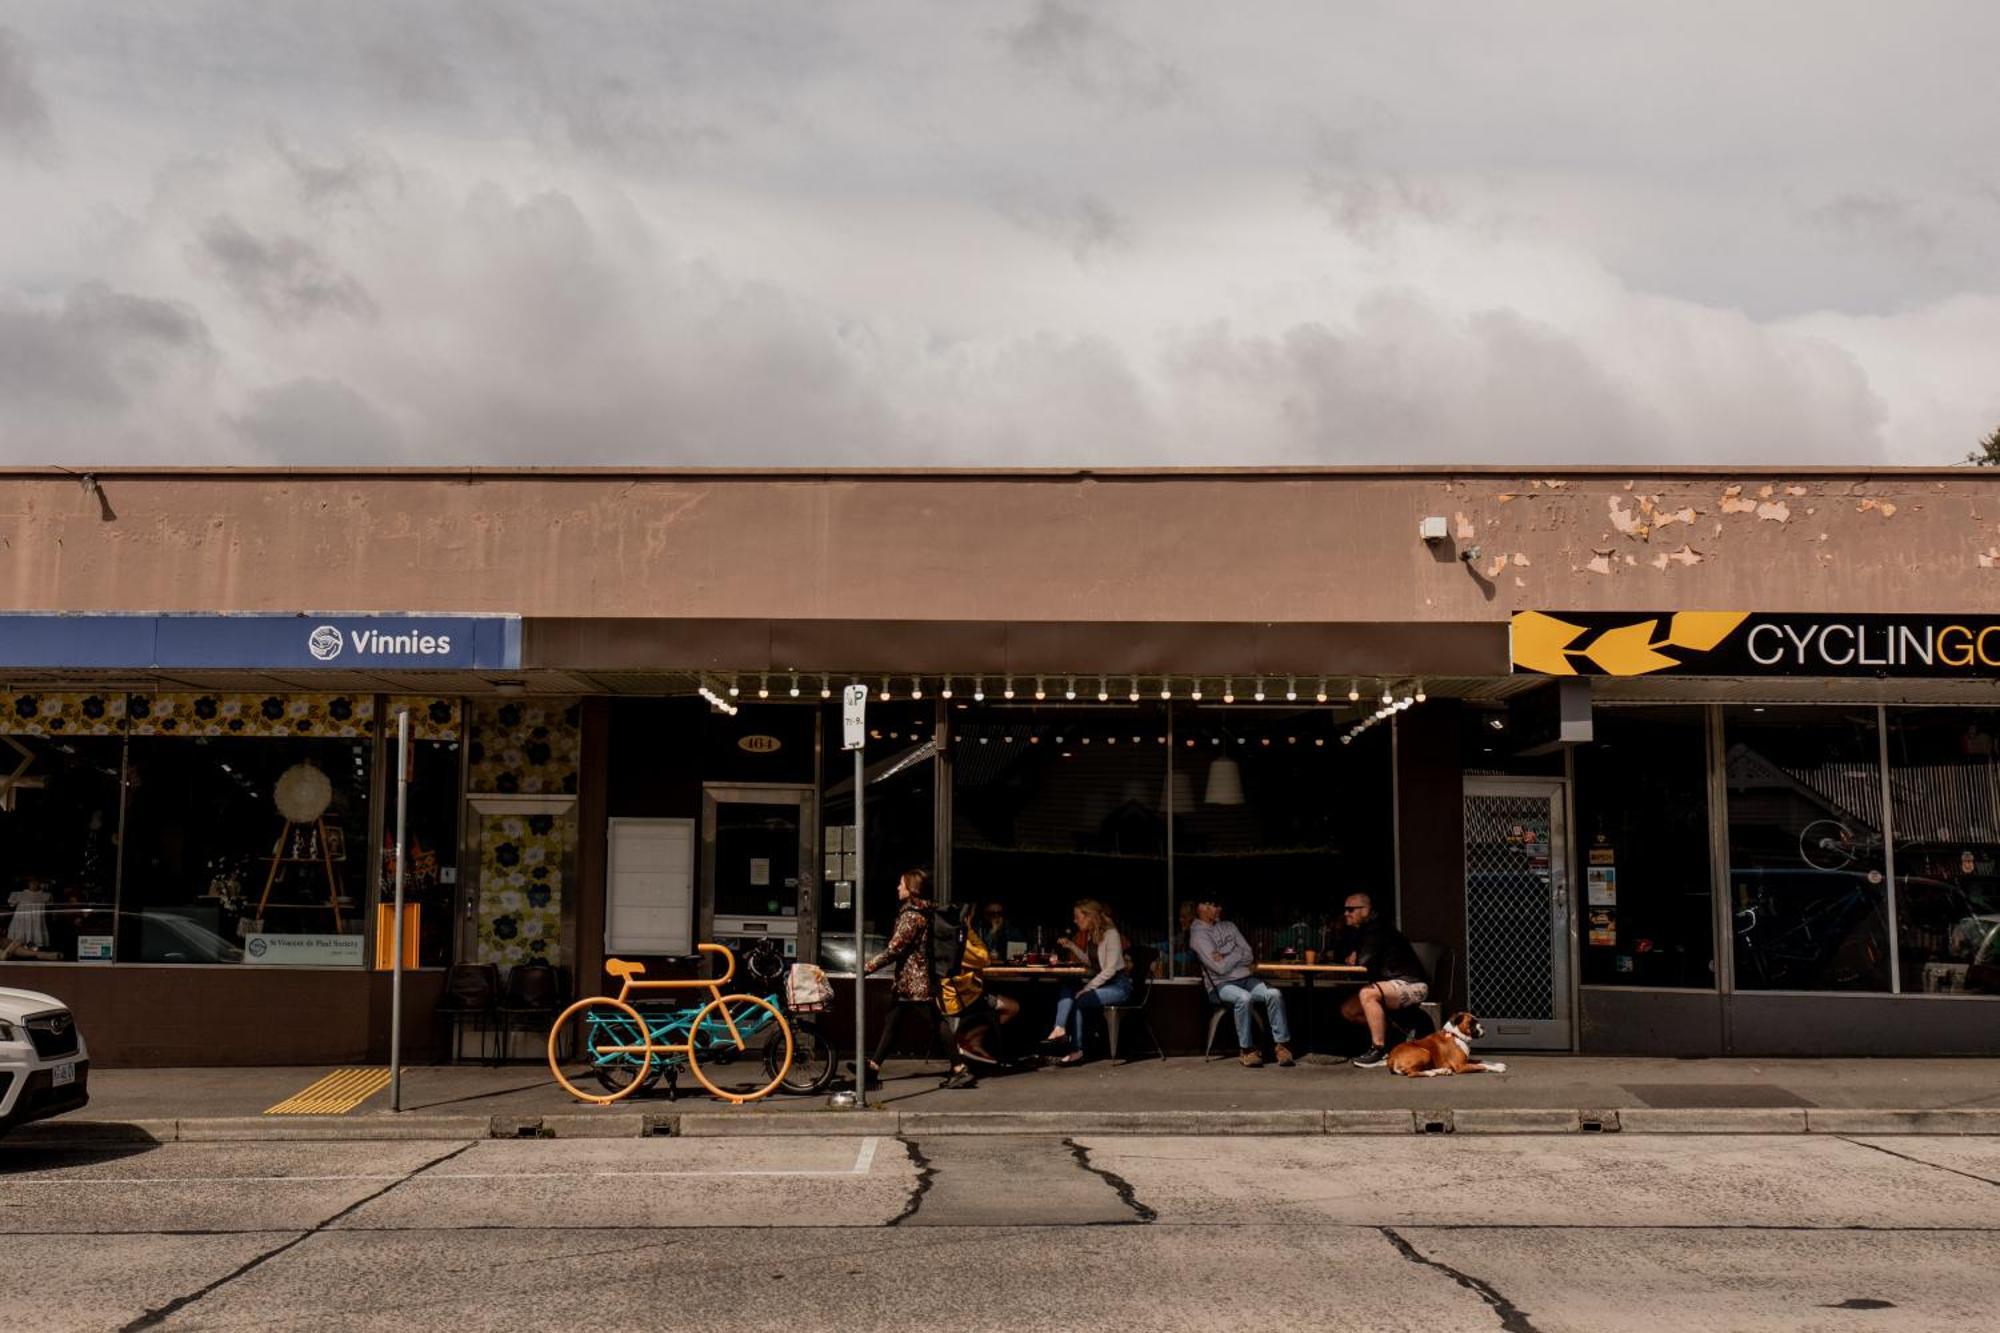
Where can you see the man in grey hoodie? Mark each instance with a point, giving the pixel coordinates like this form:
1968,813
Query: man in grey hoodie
1229,970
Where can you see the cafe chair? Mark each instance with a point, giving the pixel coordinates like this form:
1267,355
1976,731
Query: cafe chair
1219,1013
471,995
1437,962
533,998
1142,994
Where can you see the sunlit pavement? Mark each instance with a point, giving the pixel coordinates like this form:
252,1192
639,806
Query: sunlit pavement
1519,1232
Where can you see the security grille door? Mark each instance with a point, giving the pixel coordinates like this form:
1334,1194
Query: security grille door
1517,912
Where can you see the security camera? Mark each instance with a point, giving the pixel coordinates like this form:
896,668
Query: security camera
1469,554
1433,529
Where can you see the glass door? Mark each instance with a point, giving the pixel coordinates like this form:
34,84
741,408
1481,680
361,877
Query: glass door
1517,912
757,845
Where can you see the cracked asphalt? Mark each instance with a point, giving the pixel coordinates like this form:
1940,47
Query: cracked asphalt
1530,1234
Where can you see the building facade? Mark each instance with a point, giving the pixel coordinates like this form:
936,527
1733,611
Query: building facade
1679,762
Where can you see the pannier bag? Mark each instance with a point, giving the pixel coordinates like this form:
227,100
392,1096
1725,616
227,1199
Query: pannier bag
806,987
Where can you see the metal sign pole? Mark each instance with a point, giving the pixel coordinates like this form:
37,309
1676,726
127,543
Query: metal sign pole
396,918
854,736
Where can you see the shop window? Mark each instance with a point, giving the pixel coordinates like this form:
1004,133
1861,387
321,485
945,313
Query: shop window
900,767
1280,821
1055,804
1944,779
245,850
58,835
1645,909
1807,868
432,875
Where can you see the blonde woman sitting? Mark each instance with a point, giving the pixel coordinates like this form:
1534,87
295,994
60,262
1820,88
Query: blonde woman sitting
1097,945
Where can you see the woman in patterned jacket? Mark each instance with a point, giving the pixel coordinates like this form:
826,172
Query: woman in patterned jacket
908,950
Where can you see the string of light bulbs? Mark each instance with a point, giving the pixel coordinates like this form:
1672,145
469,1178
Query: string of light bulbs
1394,696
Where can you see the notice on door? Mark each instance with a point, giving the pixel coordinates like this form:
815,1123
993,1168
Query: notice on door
760,871
1602,885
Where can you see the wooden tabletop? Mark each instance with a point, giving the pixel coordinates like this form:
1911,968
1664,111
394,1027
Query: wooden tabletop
1008,970
1316,969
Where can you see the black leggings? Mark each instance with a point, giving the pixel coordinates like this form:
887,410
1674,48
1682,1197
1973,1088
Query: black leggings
893,1019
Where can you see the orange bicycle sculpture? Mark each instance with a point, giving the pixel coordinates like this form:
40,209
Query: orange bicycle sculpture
620,1042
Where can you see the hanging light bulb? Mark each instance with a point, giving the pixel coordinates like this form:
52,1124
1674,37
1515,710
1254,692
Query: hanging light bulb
916,687
1259,694
1041,688
1322,690
1228,690
1388,695
1135,694
763,687
795,684
825,688
1195,693
733,691
1291,690
945,692
979,689
1103,690
885,689
1008,692
1420,691
1070,693
1166,688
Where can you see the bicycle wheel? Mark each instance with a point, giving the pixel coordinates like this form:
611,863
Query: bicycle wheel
728,1030
812,1059
613,1036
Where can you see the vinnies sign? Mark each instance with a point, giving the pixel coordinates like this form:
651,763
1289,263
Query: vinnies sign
1744,643
359,641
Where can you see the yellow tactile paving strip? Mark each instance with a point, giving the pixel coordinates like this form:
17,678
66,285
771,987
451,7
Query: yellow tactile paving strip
336,1094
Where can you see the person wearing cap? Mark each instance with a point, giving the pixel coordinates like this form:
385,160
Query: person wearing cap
1229,970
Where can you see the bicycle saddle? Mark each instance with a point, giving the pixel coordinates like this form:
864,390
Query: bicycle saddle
618,967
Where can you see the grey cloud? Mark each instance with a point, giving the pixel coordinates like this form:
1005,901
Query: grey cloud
99,347
1069,41
1083,225
25,128
286,277
1364,201
313,420
1876,217
346,180
411,69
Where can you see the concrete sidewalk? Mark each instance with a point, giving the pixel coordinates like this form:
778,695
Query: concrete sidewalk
1538,1093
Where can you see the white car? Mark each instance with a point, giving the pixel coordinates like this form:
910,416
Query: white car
44,1065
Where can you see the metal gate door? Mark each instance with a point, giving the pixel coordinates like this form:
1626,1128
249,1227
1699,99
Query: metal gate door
1517,912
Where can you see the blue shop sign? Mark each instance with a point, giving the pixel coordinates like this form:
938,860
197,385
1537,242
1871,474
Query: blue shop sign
260,642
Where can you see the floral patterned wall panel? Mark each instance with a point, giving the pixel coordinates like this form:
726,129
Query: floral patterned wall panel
87,713
523,748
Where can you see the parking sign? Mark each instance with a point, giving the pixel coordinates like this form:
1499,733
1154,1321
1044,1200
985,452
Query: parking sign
854,717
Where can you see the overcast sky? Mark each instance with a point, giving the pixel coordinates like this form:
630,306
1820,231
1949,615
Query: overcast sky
1054,232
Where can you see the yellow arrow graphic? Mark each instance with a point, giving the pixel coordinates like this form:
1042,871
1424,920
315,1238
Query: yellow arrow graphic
1539,640
1628,650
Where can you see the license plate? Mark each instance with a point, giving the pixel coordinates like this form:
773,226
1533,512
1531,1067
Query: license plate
63,1075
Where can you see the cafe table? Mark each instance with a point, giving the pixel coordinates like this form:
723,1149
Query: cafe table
1308,973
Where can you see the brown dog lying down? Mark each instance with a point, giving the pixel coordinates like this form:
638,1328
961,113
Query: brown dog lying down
1444,1052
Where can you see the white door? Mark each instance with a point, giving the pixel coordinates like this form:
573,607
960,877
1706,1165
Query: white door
1517,912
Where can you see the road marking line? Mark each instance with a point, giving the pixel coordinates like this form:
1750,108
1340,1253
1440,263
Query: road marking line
864,1158
335,1094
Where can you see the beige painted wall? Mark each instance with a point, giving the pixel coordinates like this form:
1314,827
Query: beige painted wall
1254,546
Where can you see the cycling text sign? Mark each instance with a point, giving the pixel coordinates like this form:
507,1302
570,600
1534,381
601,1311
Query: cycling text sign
1753,643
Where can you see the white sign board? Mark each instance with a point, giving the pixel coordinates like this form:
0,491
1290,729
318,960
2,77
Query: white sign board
854,717
649,895
304,950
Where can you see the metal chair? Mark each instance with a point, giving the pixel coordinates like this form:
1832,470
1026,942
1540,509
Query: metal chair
1219,1013
1437,962
1142,993
471,992
534,996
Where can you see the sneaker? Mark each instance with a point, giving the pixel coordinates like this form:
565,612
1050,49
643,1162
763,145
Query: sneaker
960,1078
1371,1058
1283,1054
1250,1060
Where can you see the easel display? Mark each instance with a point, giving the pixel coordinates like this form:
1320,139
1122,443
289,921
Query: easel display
302,796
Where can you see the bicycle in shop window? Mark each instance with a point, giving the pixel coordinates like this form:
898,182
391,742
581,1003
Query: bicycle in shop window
738,1046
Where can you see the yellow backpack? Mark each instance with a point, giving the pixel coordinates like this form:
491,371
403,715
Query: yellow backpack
958,991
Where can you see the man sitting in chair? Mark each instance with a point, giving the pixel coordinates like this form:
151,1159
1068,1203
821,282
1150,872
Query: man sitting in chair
1229,970
1396,979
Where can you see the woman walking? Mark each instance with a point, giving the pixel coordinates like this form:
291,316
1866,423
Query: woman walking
908,950
1097,946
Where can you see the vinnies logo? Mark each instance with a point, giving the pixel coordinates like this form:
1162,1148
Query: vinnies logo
326,642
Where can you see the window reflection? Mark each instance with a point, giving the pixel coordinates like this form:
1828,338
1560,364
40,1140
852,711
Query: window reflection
1806,864
1945,787
58,832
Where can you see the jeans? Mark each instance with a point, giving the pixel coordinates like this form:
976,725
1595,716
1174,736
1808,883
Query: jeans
1238,995
1070,1008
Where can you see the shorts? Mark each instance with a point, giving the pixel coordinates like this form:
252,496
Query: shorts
1402,994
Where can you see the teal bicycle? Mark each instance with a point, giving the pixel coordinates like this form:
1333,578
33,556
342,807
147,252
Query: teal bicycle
739,1047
